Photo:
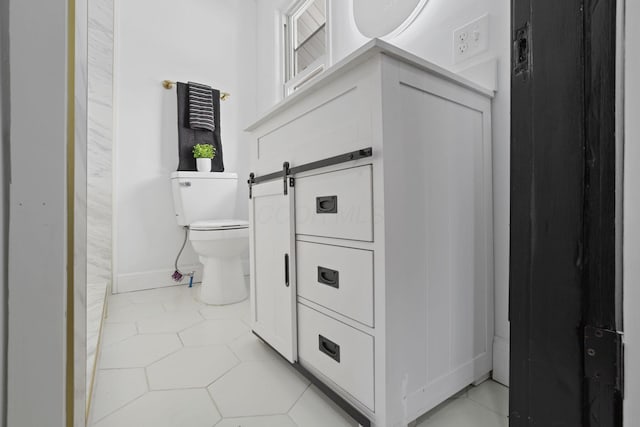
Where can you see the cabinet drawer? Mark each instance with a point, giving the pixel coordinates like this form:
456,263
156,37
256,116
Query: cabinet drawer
336,204
338,278
338,351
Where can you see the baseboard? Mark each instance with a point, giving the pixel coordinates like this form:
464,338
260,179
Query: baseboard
154,279
501,360
424,399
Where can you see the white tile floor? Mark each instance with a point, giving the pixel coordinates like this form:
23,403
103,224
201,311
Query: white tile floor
169,361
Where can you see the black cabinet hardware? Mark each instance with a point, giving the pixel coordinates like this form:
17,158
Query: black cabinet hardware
329,348
327,204
287,170
342,158
285,173
328,277
286,270
251,181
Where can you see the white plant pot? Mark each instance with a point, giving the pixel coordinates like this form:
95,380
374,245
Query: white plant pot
203,165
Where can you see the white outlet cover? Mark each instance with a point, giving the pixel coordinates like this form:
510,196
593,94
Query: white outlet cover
385,18
471,39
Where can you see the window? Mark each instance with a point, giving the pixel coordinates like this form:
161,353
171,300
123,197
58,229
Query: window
305,43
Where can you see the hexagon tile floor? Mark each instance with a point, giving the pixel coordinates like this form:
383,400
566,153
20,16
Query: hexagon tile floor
169,361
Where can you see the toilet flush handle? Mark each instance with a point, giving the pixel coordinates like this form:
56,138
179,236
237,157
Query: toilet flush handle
185,184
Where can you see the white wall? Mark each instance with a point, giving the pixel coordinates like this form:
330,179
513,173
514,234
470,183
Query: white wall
344,39
99,172
212,42
631,240
100,133
4,197
268,55
38,232
79,326
430,37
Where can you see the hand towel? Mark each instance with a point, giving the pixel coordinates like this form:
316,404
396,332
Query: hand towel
201,111
188,137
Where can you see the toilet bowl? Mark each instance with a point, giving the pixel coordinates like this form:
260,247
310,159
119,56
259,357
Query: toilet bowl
202,201
220,245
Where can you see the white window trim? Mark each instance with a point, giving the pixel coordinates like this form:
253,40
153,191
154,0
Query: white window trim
311,72
317,67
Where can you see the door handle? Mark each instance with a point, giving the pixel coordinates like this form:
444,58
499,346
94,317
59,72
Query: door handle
327,204
328,277
286,270
329,348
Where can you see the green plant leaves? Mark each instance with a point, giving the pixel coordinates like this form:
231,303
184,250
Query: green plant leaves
204,151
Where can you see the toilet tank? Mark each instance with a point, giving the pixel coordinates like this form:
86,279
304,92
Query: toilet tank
200,196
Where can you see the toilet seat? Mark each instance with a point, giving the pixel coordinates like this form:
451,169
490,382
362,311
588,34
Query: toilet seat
219,225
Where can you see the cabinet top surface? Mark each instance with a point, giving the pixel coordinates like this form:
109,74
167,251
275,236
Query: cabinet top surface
373,47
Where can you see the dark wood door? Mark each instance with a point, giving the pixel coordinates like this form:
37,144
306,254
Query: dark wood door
563,305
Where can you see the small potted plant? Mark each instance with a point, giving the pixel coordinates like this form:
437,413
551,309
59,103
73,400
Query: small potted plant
203,154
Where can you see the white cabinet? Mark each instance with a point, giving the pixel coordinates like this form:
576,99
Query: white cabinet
336,204
338,278
387,223
340,352
273,302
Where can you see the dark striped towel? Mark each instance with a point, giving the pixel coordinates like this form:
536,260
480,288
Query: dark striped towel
201,113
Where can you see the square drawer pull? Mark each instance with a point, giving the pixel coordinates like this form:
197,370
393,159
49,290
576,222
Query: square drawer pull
329,277
327,204
329,348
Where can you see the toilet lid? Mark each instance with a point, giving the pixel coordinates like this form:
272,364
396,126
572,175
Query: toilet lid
219,224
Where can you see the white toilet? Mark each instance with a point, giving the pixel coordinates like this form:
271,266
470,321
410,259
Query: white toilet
204,202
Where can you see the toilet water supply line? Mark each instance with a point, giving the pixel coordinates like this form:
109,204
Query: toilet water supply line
177,274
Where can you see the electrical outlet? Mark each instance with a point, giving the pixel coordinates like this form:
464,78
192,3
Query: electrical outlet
471,39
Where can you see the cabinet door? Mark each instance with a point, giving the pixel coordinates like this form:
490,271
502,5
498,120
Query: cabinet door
273,277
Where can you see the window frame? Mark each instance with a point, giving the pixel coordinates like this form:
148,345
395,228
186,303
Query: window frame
291,82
